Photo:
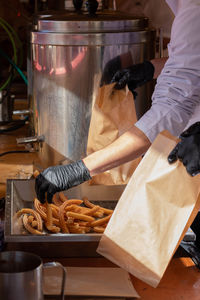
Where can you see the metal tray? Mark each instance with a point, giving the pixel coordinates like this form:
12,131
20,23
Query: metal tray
20,194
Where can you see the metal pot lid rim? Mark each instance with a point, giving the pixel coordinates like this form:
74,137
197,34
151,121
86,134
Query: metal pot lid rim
83,23
91,39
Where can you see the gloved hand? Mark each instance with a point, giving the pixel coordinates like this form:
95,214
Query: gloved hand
188,149
60,178
111,67
134,76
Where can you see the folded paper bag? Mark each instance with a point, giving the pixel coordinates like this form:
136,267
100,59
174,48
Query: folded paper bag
113,113
155,210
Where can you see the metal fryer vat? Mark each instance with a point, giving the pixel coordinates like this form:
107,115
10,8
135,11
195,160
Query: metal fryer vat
20,194
68,55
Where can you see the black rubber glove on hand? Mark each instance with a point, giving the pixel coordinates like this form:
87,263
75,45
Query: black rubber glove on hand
60,178
110,69
188,150
134,76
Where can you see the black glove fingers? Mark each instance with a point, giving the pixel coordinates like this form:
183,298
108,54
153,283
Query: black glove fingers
50,192
188,150
42,190
122,81
172,157
193,129
149,70
184,161
193,168
121,78
38,181
120,85
59,178
49,197
118,75
184,151
111,67
192,158
132,85
134,76
124,77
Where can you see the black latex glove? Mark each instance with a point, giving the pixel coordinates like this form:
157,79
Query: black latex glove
60,178
134,76
188,150
110,69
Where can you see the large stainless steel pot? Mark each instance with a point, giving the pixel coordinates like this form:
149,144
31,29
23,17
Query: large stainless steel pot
68,54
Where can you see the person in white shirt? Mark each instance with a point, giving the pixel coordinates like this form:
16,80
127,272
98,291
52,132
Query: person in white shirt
174,101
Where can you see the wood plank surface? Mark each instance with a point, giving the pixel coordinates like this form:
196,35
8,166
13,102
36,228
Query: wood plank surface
181,280
16,165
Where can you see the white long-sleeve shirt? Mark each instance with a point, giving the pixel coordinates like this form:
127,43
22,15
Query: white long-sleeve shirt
176,98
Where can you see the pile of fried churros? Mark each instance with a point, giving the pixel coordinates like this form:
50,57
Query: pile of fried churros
65,216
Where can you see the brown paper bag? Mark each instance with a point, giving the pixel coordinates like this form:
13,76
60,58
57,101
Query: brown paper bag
112,114
152,216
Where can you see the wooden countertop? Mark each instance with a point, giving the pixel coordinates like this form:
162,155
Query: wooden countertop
16,165
181,280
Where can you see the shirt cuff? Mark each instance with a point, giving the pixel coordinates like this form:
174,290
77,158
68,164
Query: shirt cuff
160,118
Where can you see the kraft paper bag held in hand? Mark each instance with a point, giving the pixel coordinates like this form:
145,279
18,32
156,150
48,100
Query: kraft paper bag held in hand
154,212
112,114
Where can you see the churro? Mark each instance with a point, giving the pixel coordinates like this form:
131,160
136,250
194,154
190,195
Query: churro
98,229
42,211
78,216
28,227
49,222
100,221
61,215
74,216
34,213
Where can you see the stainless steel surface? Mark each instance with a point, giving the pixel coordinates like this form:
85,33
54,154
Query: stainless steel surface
6,106
30,139
21,193
31,143
107,22
21,276
68,55
62,39
64,274
21,112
